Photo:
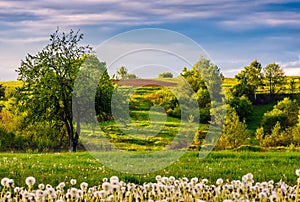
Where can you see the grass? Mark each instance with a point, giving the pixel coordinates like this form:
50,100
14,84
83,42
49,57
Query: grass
254,120
56,167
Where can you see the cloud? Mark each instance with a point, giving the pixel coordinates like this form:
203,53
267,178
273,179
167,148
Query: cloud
39,15
28,23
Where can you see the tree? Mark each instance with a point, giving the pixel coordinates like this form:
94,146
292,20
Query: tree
248,79
165,75
242,105
123,73
48,79
274,138
103,96
274,76
234,132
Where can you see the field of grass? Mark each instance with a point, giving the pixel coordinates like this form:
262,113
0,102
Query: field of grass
57,167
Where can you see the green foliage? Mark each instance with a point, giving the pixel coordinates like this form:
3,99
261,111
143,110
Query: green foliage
273,138
260,134
273,77
2,91
279,135
165,75
7,140
168,101
205,79
248,79
285,112
242,105
103,97
248,148
123,74
272,117
255,118
48,79
291,108
234,132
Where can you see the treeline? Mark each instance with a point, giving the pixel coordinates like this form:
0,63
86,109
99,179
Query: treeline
278,127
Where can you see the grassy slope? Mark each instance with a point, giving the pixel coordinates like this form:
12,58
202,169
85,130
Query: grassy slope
254,120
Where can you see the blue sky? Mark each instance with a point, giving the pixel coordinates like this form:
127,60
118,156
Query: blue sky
232,32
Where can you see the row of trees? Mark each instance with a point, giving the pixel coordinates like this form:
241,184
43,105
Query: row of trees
254,76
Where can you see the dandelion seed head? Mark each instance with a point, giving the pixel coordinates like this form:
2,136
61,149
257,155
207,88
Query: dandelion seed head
114,179
41,186
219,181
73,181
262,195
84,186
30,181
158,178
105,180
10,183
4,181
298,172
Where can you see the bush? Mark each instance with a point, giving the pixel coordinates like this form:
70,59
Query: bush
234,132
165,75
249,148
285,112
242,105
272,117
7,140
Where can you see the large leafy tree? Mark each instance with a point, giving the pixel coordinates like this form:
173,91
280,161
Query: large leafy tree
205,78
274,76
248,80
48,78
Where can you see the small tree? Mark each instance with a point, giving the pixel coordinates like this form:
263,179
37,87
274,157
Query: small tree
122,72
273,76
234,131
259,135
274,138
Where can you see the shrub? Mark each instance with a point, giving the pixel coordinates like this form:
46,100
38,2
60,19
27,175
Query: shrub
249,148
242,105
165,75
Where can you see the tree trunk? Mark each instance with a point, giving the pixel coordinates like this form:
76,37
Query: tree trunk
76,137
73,139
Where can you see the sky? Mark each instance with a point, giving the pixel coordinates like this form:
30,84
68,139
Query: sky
232,32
